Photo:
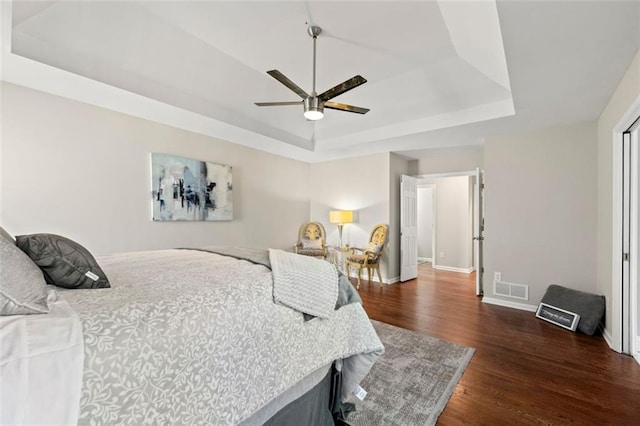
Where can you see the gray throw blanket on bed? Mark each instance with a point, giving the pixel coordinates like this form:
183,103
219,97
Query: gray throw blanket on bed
303,283
346,292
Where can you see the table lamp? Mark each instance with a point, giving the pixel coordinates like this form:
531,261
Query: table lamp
340,217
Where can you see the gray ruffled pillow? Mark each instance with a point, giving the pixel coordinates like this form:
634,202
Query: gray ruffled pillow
22,286
64,262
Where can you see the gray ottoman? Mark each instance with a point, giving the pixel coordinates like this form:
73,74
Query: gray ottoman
589,306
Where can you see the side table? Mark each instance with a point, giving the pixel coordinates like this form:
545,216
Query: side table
338,257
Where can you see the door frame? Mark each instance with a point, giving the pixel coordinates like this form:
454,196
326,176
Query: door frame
618,325
446,175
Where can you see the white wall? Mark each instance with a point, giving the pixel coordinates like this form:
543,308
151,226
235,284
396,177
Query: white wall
461,159
425,222
359,184
540,209
613,116
84,172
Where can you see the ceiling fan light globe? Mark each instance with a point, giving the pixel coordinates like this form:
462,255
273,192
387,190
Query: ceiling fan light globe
313,108
313,115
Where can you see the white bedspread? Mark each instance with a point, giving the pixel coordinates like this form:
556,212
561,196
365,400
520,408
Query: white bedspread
190,337
41,362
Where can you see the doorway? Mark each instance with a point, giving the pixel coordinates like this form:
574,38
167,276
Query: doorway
449,222
426,223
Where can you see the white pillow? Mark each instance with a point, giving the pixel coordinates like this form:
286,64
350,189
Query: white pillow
22,286
312,244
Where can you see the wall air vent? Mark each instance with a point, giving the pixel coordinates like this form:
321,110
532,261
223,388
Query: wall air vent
516,291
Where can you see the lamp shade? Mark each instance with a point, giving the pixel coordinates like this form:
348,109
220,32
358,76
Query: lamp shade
340,216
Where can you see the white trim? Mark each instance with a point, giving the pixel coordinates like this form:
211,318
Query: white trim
453,269
374,277
510,304
392,280
444,175
607,336
615,329
636,354
634,243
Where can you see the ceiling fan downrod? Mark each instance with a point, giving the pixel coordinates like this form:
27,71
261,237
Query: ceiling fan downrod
314,32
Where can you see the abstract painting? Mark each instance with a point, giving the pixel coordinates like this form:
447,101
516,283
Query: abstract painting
187,189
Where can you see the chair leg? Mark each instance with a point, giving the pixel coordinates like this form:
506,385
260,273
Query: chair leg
369,274
379,276
359,273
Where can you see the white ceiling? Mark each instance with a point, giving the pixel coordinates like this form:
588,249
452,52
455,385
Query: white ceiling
440,74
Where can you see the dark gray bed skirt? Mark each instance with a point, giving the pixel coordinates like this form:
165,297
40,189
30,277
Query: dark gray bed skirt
313,408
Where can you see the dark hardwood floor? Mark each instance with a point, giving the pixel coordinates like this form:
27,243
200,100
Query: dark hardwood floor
525,370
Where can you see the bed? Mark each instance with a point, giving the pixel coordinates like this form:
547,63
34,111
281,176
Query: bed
208,336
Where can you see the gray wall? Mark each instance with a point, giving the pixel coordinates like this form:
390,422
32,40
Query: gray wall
84,172
425,222
369,185
540,209
447,160
360,184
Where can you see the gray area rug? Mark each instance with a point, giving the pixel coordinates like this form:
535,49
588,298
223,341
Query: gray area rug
412,382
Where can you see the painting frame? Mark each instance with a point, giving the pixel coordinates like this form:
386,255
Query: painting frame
187,189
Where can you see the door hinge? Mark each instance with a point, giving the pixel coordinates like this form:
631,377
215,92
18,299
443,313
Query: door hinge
482,270
625,257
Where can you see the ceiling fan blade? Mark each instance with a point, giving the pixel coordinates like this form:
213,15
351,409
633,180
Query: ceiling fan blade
290,84
278,103
344,107
352,83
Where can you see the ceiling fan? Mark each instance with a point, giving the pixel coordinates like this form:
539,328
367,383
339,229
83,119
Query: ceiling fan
313,103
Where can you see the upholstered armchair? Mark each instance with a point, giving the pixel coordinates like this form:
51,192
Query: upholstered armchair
312,240
369,257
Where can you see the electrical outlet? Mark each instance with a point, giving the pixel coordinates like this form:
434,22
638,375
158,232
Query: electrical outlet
497,277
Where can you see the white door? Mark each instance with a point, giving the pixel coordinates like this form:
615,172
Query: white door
478,238
634,229
408,228
630,239
626,239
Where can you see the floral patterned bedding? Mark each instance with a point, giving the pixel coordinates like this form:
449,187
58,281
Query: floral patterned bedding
191,337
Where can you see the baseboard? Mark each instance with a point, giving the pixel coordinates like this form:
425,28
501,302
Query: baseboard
607,336
374,278
424,259
452,269
510,304
636,355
